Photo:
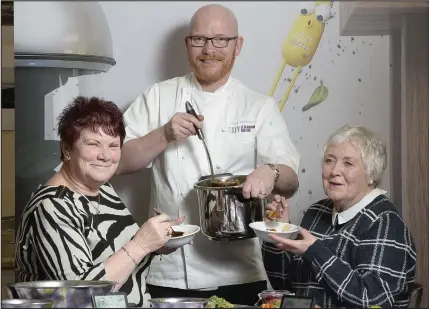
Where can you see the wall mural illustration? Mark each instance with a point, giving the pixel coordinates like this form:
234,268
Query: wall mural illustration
300,46
293,51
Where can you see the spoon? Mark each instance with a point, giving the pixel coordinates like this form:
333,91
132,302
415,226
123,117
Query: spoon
174,233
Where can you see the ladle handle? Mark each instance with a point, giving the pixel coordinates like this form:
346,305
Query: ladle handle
238,192
190,110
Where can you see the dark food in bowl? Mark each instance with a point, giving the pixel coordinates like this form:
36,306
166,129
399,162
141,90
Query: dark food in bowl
176,234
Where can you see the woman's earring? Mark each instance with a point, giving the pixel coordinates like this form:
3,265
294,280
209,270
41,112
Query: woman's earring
66,158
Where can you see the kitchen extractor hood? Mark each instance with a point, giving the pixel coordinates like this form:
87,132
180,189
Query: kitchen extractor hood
55,43
72,35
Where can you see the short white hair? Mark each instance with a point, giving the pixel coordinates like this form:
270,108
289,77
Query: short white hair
372,149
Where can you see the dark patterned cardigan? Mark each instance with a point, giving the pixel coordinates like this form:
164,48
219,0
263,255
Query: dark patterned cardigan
369,260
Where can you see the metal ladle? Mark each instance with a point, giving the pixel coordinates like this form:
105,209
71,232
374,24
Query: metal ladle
215,182
190,110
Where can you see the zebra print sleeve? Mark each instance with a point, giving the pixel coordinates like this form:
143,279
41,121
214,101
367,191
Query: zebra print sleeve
60,244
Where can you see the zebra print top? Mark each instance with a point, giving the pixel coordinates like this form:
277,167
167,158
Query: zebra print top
63,237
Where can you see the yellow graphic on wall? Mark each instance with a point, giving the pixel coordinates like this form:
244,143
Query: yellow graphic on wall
319,95
303,40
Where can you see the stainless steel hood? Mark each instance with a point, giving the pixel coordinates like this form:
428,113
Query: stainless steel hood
70,35
55,43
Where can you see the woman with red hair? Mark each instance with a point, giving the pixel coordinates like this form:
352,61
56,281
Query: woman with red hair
75,227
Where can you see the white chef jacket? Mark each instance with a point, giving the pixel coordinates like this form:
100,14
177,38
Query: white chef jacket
237,121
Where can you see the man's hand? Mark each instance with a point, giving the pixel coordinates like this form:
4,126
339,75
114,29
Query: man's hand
259,183
298,247
181,126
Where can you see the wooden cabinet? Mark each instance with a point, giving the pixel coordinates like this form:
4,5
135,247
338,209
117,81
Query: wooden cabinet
7,155
376,18
8,173
7,57
407,23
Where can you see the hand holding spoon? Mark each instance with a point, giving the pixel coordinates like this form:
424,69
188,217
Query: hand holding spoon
174,233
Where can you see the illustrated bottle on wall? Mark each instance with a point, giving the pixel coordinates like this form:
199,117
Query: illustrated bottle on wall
303,40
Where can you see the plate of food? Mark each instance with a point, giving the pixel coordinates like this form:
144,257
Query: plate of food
182,235
282,229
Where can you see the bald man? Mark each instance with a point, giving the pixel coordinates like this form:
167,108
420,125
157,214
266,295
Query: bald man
245,134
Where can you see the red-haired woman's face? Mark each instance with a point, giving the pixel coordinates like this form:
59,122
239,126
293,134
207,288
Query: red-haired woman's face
94,157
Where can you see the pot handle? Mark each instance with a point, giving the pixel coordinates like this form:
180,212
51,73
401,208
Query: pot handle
238,192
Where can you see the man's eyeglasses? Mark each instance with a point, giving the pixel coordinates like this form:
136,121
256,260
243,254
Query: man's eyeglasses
219,42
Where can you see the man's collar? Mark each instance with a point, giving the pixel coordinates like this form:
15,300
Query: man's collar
197,85
350,213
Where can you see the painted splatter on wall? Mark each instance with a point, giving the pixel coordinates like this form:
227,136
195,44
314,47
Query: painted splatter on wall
318,99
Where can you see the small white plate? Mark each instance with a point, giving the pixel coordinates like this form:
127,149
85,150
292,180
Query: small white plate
284,230
190,232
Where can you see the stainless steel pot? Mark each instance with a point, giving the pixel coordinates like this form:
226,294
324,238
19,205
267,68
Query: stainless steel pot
171,302
65,294
26,303
224,213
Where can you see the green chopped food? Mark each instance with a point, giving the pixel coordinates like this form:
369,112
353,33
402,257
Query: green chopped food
218,302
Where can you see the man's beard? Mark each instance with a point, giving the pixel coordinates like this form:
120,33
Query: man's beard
208,75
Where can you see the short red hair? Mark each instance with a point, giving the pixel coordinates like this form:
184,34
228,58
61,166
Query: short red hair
89,113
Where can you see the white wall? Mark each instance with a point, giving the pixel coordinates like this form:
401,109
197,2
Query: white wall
148,40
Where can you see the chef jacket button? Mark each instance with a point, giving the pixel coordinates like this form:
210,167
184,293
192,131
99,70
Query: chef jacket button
181,193
183,158
223,130
218,167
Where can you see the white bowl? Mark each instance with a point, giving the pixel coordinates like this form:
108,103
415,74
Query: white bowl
261,230
189,234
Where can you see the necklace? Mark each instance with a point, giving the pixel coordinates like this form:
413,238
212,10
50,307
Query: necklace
77,190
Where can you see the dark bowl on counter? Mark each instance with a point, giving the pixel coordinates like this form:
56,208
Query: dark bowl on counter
65,294
26,303
179,302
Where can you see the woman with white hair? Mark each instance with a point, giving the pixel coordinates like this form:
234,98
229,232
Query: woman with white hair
354,249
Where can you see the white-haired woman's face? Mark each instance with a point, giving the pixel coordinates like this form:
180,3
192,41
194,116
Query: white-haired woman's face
343,175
